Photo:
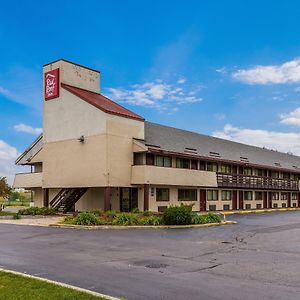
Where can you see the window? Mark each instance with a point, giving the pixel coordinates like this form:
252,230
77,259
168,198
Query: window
162,209
285,175
162,194
248,195
212,207
258,195
258,206
183,163
294,196
212,167
284,196
275,205
294,176
150,159
226,168
275,196
212,195
258,172
283,205
247,171
163,161
187,195
248,206
274,174
226,207
194,164
138,158
294,204
226,195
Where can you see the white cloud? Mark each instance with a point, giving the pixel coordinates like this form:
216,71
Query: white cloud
288,72
28,129
8,155
181,80
222,70
292,118
158,94
281,141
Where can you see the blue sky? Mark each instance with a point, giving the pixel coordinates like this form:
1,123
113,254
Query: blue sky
226,68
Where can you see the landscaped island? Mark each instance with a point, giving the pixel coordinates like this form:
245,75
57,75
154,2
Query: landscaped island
174,215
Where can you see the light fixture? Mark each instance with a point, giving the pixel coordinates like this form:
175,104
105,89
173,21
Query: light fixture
81,139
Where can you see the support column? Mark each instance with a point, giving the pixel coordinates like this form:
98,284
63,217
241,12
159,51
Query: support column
146,196
106,198
46,197
298,195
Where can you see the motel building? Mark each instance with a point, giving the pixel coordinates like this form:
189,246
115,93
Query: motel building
95,154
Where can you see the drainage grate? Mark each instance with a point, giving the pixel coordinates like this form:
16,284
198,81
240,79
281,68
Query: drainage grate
156,266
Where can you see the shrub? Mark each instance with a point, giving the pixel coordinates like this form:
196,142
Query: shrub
152,220
33,211
126,219
96,212
111,214
148,213
178,215
205,219
16,216
135,210
86,218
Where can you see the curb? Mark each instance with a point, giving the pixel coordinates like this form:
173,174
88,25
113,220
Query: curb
60,284
257,211
96,227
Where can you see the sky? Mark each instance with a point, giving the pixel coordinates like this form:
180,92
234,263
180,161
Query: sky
225,68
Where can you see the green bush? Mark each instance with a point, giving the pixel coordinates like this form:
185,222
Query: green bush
135,210
16,216
152,220
126,219
148,213
111,214
33,211
205,219
86,218
178,215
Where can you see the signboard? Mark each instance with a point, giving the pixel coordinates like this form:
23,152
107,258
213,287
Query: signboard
51,83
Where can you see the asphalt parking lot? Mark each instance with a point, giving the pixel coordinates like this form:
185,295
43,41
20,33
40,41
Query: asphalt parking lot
258,258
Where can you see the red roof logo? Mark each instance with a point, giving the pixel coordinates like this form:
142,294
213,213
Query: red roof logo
51,83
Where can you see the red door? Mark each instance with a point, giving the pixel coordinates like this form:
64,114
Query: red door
234,200
265,200
241,200
270,200
202,200
289,200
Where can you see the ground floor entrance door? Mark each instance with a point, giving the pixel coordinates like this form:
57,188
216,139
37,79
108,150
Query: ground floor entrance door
128,199
234,200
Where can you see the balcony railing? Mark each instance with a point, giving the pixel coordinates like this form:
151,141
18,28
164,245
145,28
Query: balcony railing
256,182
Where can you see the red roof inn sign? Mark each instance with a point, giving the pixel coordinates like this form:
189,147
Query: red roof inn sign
51,83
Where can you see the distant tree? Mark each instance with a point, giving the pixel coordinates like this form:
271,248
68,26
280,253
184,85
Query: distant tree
4,188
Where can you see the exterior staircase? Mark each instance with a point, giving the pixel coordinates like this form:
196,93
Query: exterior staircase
66,198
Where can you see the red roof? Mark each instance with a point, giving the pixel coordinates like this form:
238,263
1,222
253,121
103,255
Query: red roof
102,102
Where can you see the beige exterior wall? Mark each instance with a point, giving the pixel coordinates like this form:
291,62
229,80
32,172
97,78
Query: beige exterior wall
105,157
172,176
173,193
93,199
38,197
74,164
28,180
76,75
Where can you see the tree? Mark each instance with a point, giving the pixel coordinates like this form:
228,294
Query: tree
4,188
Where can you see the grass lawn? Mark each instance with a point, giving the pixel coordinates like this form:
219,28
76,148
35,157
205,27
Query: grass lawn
17,287
6,213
